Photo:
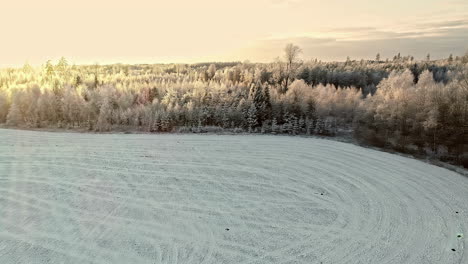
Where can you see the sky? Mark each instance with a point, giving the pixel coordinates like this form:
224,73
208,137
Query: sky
188,31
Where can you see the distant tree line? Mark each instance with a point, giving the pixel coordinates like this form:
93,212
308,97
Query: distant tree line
418,107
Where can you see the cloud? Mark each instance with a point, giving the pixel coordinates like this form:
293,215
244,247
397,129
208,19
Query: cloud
437,38
417,30
352,29
441,24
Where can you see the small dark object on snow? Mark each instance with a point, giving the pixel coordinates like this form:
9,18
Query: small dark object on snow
459,236
453,249
227,229
321,194
456,212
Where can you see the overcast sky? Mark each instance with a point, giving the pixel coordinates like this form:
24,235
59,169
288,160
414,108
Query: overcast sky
153,31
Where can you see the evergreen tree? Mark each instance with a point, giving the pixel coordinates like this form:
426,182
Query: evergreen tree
252,117
267,102
274,126
320,126
49,71
78,81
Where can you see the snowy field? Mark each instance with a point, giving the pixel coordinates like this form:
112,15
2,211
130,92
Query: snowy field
86,198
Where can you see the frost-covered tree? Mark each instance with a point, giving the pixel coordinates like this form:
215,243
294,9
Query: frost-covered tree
252,117
105,115
291,55
4,106
211,71
15,115
405,104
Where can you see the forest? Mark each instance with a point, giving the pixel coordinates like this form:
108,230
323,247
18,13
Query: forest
402,104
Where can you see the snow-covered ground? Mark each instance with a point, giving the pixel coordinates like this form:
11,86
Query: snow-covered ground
87,198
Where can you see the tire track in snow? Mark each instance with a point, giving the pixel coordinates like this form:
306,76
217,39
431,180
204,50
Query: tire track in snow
168,199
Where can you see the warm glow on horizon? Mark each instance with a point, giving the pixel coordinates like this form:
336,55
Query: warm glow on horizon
144,31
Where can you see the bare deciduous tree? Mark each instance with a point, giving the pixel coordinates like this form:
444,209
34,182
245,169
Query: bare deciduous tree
291,55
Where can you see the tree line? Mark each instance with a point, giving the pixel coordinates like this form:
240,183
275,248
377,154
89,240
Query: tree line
420,107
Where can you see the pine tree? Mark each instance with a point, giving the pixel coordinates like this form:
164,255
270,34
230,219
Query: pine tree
252,117
89,123
301,124
49,68
156,124
311,109
166,123
96,81
294,125
274,126
288,124
225,115
259,102
199,126
309,126
320,127
62,67
78,81
267,102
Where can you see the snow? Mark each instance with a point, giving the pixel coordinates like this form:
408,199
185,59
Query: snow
115,198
